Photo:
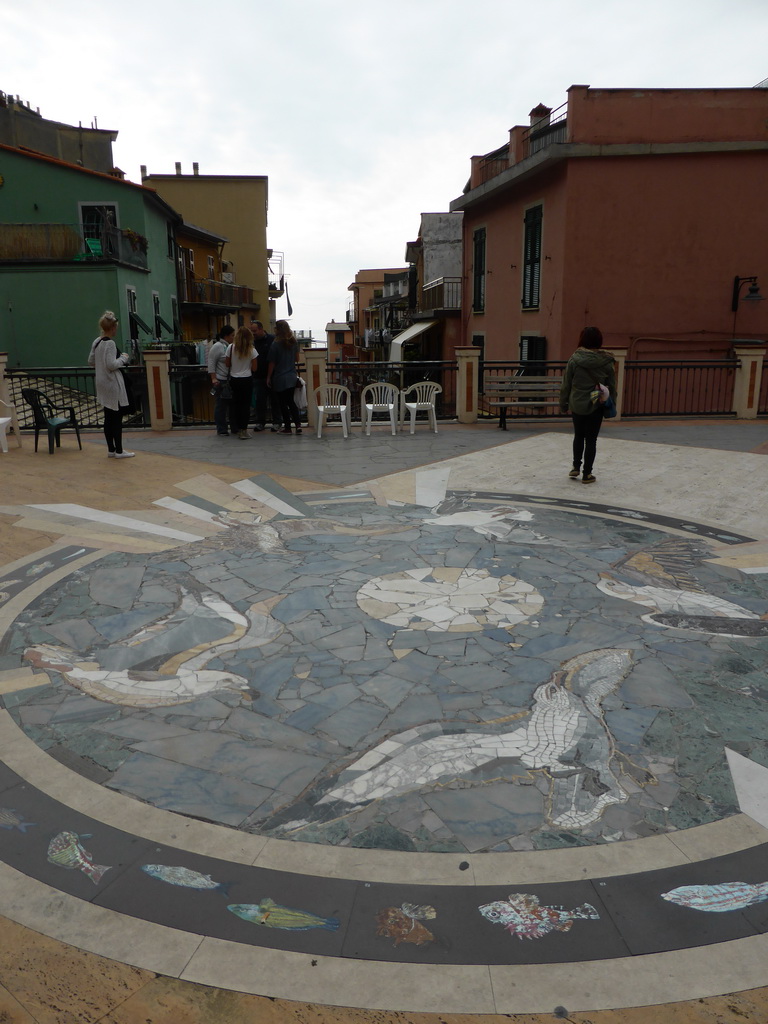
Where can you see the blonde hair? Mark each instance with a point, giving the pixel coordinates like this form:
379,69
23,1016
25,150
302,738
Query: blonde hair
283,333
243,342
108,319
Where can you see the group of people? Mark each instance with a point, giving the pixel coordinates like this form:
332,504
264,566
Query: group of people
250,368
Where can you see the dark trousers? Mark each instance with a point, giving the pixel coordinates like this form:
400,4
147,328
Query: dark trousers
242,388
288,410
585,431
267,409
113,429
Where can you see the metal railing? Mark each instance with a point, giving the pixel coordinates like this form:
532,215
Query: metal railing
676,388
442,293
546,131
73,387
215,293
355,376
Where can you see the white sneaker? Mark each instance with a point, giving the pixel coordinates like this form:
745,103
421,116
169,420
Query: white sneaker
111,455
124,455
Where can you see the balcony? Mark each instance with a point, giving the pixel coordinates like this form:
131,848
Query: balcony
205,293
442,293
48,243
275,273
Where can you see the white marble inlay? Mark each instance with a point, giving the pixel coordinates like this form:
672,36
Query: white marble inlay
187,509
114,519
449,599
266,498
564,736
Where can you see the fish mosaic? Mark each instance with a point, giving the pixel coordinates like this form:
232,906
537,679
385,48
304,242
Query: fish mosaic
523,915
11,819
717,899
185,877
272,915
66,851
403,924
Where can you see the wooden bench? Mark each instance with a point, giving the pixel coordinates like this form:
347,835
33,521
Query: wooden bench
504,393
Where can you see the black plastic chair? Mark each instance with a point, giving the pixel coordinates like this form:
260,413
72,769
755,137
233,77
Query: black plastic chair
47,418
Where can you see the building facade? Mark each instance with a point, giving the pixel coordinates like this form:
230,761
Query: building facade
637,210
74,242
235,207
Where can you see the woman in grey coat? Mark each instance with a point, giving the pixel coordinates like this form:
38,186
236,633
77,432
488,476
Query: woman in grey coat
110,386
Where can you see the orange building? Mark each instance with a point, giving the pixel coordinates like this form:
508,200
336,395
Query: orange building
641,211
377,311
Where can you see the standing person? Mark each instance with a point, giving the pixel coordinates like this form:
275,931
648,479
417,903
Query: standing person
282,375
262,395
217,368
588,367
110,385
241,362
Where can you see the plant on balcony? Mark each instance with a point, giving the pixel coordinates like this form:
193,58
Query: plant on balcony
138,242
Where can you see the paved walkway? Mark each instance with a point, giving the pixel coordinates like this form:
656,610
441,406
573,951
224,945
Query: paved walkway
426,684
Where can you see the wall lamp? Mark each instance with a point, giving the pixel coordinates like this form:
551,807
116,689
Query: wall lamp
753,294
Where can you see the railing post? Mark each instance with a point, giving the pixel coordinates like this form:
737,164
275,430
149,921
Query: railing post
157,362
620,355
749,373
468,383
315,362
4,393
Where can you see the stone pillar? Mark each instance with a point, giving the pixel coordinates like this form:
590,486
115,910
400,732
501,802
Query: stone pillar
467,383
749,375
621,359
315,362
157,362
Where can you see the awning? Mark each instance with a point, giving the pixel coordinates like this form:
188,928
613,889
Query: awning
409,334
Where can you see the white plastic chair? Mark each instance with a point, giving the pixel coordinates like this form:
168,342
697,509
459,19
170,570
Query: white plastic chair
333,399
378,398
7,417
420,398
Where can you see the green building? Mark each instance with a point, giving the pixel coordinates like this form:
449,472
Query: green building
74,242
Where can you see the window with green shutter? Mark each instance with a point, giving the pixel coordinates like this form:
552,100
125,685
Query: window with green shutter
532,258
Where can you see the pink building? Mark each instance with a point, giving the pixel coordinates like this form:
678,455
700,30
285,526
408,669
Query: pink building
637,210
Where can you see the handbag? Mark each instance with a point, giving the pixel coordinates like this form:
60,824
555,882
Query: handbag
609,408
601,397
129,393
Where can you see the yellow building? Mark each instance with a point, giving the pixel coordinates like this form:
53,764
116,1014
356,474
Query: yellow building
233,206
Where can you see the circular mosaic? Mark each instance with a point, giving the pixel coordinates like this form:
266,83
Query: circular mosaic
478,676
449,600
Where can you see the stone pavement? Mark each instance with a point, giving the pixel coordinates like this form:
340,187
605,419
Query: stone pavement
382,660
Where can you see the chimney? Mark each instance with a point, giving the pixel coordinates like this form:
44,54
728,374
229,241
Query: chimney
539,116
178,167
195,168
143,171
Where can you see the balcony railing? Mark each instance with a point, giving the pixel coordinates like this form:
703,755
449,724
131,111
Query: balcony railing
442,293
35,243
206,292
546,131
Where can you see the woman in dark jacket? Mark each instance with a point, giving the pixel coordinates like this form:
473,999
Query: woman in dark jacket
588,367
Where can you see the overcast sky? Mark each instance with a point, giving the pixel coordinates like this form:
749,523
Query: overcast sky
362,114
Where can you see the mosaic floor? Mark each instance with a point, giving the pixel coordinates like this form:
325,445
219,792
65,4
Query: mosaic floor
393,669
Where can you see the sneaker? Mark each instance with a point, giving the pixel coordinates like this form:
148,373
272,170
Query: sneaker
574,474
285,430
275,430
258,428
587,478
223,433
298,430
124,455
243,435
111,455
